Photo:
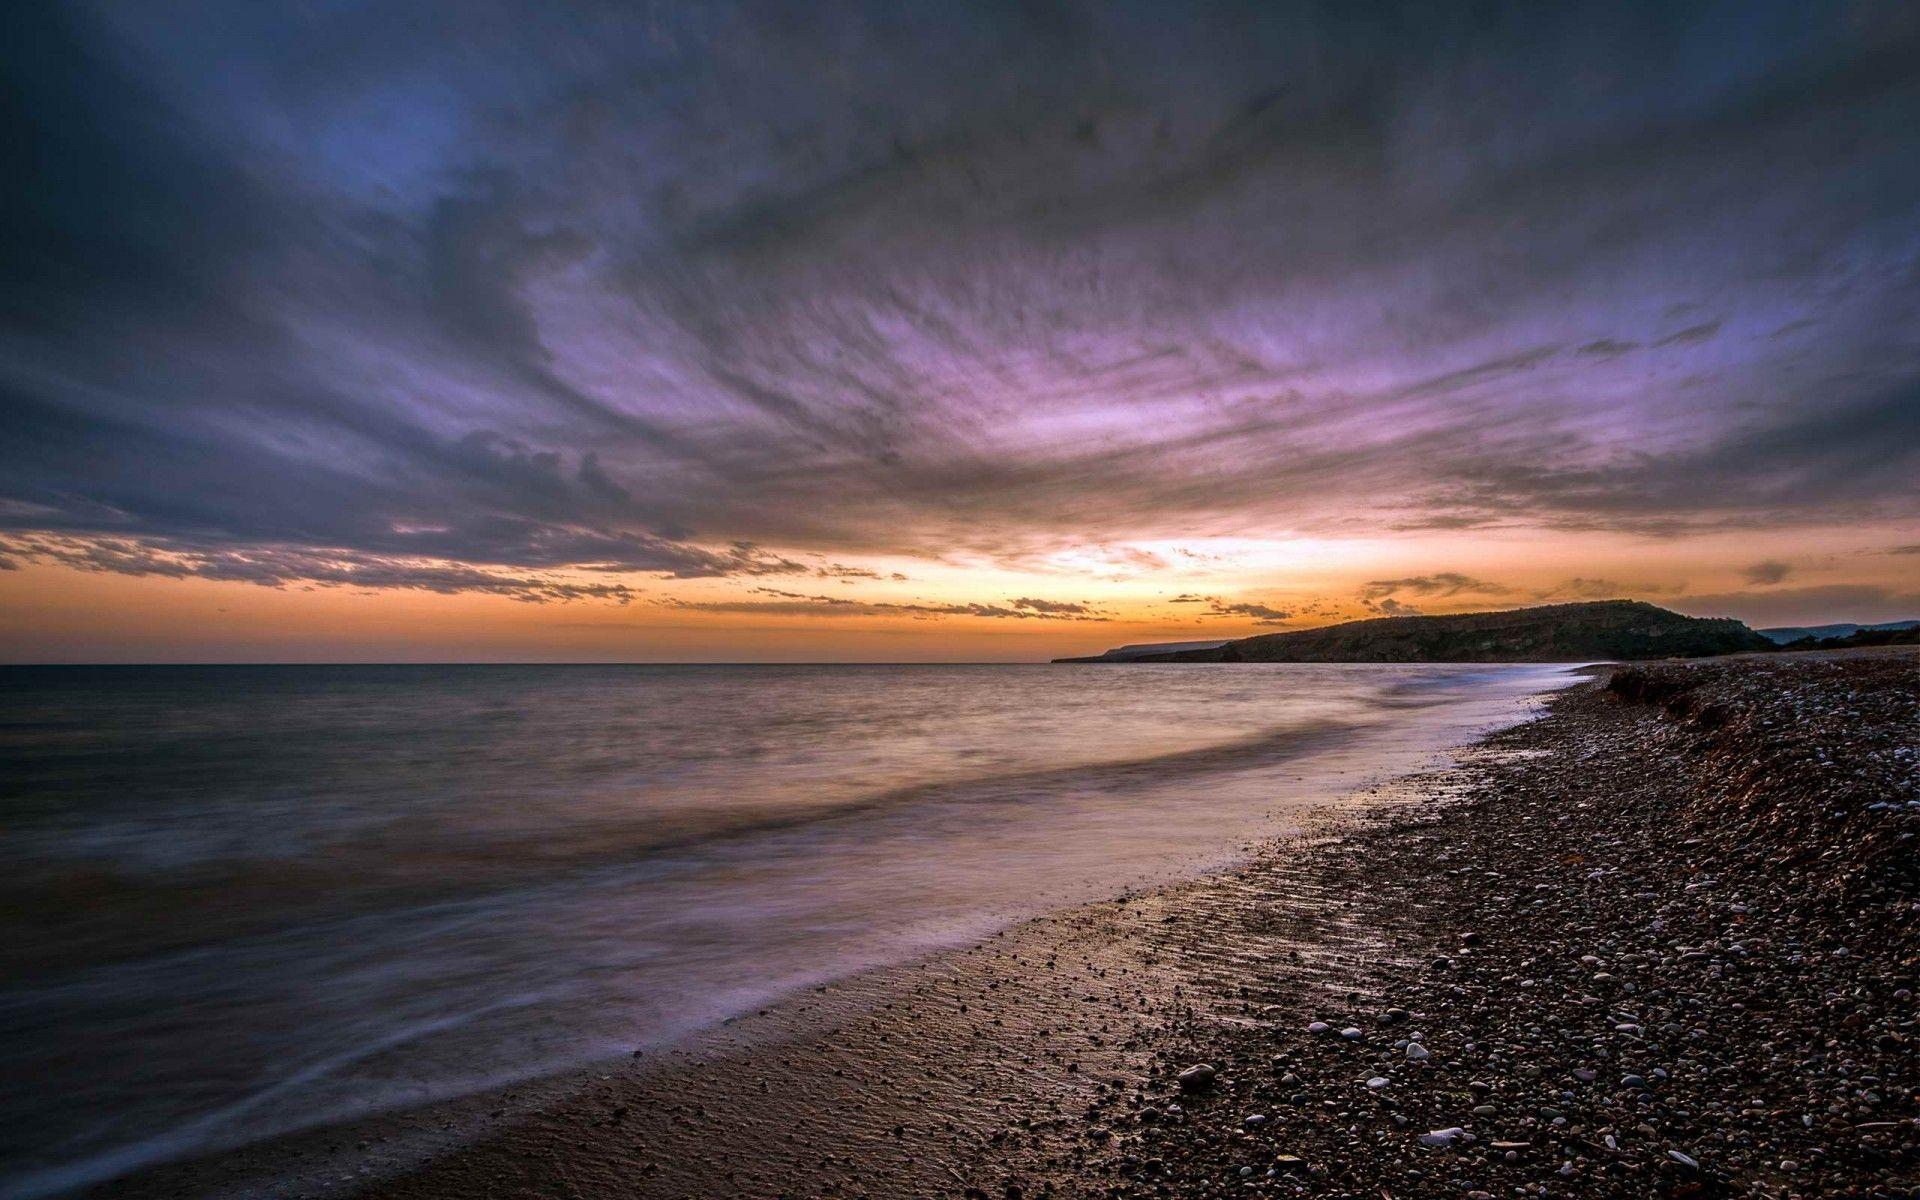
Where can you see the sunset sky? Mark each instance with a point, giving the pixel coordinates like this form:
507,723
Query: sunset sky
797,332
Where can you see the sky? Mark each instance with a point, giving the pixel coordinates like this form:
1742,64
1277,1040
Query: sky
950,331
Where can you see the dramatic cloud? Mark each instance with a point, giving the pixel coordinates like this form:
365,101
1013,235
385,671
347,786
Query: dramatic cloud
462,296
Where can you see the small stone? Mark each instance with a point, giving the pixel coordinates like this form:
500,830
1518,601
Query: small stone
1418,1053
1197,1078
1352,1033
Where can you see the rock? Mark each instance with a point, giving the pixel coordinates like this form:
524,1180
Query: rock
1197,1078
1442,1137
1352,1033
1318,1027
1377,1082
1418,1053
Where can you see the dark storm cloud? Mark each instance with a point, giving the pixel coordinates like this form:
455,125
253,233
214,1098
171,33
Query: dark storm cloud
497,289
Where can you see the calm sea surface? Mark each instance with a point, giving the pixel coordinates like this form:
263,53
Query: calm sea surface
239,900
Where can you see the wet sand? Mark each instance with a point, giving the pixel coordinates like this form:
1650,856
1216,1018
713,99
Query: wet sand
1660,941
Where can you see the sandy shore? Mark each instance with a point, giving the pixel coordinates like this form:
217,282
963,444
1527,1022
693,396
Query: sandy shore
1659,941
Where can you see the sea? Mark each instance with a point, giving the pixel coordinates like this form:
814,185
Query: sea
239,901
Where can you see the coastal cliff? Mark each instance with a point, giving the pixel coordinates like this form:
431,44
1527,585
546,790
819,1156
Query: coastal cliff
1603,630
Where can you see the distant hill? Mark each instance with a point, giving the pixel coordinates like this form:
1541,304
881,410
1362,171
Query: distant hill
1149,649
1794,633
1893,633
1604,630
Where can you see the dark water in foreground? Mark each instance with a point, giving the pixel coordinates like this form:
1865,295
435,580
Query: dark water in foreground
235,901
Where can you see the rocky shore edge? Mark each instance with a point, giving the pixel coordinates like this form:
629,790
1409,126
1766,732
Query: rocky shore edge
1661,943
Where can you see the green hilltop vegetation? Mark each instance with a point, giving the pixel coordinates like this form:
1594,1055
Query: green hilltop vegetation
1601,630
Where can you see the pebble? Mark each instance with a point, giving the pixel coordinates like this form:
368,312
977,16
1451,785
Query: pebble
1197,1078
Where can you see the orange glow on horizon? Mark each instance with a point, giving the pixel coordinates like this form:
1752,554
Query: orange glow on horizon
1140,592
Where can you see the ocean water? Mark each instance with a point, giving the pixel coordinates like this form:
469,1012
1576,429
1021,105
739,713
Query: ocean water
237,901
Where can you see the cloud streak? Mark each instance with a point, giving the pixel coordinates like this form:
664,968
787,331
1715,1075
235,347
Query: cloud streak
785,603
282,568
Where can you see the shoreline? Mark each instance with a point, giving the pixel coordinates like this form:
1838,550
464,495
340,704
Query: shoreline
1042,1061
